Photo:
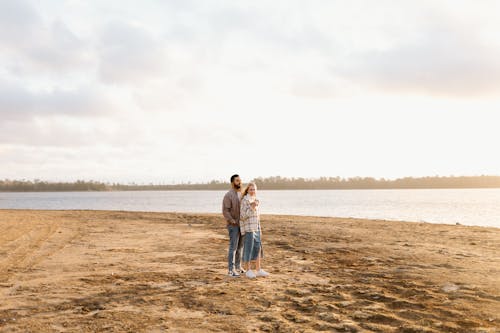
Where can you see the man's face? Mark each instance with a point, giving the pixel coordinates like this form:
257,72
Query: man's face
237,183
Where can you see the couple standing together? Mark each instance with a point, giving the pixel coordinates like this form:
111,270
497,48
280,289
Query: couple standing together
241,212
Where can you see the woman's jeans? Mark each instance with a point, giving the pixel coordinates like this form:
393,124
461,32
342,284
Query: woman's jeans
252,248
235,247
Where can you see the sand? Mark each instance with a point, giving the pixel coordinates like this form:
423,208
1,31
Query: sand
109,271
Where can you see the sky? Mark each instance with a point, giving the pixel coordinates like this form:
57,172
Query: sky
177,91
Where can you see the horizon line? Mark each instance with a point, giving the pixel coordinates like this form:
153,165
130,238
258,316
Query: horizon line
188,182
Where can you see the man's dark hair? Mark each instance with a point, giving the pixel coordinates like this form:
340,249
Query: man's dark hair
232,177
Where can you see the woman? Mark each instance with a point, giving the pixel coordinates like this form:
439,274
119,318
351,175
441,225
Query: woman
250,228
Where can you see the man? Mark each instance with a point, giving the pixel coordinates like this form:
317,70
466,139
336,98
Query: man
231,212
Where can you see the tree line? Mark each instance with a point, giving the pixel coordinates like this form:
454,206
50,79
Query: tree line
269,183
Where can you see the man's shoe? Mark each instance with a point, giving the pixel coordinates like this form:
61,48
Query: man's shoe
241,270
233,274
250,274
262,272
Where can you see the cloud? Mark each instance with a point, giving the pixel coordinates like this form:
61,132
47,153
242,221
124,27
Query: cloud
48,132
19,102
30,46
107,131
446,58
129,54
18,22
59,49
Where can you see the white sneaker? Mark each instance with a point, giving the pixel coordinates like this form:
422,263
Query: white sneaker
250,274
262,272
233,274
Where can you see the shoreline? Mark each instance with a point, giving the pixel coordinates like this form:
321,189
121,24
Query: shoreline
264,214
93,271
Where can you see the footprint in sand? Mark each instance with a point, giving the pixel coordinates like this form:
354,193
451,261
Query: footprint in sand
450,287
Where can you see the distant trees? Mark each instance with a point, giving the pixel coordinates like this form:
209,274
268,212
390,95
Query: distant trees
269,183
372,183
41,186
213,185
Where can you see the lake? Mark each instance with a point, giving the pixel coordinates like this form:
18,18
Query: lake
479,207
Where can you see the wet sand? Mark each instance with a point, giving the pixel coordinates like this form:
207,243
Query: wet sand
108,271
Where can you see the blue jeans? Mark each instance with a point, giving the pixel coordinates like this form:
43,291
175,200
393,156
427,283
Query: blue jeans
235,247
252,246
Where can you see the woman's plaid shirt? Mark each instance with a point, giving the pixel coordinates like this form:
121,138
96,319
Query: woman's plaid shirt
249,218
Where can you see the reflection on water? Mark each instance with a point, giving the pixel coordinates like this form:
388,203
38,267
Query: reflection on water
465,206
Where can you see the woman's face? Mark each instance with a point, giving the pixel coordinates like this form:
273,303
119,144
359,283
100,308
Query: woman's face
252,190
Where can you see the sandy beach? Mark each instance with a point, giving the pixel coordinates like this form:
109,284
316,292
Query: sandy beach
110,271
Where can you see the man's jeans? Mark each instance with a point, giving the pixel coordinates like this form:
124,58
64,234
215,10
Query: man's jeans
235,247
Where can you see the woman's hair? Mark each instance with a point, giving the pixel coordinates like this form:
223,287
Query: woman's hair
245,192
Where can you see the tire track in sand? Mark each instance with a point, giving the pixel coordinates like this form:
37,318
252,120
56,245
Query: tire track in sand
39,242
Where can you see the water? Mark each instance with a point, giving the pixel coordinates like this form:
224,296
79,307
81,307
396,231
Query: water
466,206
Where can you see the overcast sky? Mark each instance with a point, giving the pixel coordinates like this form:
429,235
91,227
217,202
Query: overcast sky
173,91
